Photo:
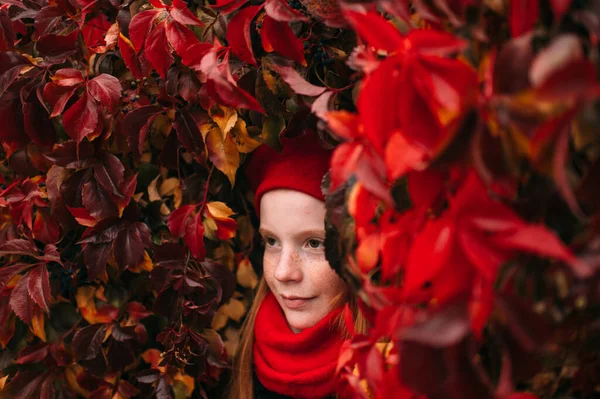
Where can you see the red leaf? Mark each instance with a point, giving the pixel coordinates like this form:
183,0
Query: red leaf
183,41
181,14
106,89
559,171
57,96
81,118
67,77
537,239
157,50
297,82
129,56
281,11
402,157
227,6
563,49
178,220
432,42
139,27
375,30
429,253
8,272
87,340
523,15
222,87
20,301
137,311
194,237
45,228
278,36
82,216
238,33
560,7
446,327
18,247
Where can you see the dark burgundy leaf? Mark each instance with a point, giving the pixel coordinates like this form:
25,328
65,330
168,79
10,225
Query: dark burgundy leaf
134,122
20,301
86,341
38,126
96,257
128,248
106,89
446,327
33,354
225,277
39,287
560,7
109,173
148,376
119,355
97,201
239,35
11,65
188,132
58,46
157,50
81,118
7,35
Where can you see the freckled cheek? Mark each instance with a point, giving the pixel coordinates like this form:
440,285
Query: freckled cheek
324,278
269,266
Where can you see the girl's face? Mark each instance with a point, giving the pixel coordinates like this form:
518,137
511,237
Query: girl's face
295,268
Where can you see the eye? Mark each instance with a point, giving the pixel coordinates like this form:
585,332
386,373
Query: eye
269,241
314,243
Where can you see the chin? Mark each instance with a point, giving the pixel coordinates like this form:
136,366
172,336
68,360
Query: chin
300,321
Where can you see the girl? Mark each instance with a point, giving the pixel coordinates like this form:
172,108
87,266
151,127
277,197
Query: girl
291,338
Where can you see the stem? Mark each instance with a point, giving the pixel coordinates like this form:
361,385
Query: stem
206,188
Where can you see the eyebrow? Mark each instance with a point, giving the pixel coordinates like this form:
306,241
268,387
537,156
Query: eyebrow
304,233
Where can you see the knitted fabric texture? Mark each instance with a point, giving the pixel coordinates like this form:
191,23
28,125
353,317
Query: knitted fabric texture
301,365
300,166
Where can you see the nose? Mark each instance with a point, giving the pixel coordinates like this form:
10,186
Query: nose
289,267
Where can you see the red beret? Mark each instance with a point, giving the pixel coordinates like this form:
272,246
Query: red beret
300,166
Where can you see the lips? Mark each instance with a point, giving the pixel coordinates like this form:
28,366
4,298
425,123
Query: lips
295,302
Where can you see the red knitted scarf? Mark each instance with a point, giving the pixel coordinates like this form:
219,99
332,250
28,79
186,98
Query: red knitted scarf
301,365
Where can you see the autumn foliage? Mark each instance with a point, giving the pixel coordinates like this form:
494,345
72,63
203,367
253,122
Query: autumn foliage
463,202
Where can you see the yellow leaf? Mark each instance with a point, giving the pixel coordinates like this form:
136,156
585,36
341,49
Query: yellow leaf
153,194
243,141
37,323
224,117
3,382
272,128
219,321
168,186
232,339
187,384
219,210
210,228
223,153
225,255
234,309
71,373
246,276
145,265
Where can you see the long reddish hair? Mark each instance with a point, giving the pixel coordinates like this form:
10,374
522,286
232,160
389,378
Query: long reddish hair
241,386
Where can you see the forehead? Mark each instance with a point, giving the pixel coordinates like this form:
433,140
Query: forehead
289,210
